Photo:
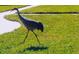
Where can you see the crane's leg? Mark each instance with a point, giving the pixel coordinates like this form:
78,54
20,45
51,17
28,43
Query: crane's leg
25,37
36,37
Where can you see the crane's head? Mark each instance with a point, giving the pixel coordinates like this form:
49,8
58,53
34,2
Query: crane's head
14,9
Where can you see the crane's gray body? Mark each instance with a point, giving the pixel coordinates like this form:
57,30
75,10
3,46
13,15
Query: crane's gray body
31,25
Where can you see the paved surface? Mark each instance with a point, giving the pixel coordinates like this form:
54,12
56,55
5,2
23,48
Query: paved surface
8,26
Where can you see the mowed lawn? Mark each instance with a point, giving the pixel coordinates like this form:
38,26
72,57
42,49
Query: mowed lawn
60,36
54,8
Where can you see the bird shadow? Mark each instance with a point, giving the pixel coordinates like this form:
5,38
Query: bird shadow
36,48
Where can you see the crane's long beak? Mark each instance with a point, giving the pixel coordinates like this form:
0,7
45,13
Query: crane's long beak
12,10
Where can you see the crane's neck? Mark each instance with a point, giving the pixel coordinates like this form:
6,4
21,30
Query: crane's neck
21,18
18,13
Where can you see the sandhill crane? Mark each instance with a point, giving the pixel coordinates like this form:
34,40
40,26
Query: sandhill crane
30,25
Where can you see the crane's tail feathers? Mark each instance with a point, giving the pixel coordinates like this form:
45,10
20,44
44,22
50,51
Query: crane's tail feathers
41,27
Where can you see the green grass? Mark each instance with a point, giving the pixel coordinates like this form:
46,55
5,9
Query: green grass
54,8
61,35
8,7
